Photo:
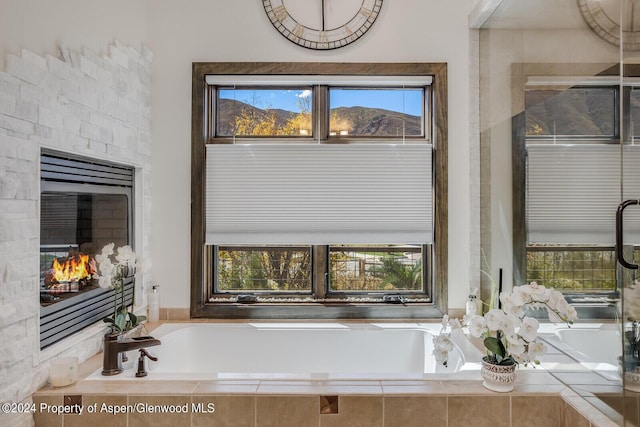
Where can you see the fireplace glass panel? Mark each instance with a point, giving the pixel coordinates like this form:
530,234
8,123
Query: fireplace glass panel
74,227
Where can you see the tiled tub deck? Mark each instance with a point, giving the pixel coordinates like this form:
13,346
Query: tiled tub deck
537,400
450,399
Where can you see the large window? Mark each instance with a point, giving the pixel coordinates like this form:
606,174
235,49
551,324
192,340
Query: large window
321,189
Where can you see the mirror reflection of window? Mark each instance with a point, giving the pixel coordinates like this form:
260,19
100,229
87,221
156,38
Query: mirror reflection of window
573,112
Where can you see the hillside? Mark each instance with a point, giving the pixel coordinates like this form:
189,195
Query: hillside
361,121
230,109
574,112
378,122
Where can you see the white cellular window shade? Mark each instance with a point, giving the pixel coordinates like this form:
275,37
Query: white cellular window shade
573,192
318,194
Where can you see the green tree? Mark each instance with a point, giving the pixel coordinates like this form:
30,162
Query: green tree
396,275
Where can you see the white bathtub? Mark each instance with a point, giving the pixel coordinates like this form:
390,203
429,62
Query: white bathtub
595,345
296,351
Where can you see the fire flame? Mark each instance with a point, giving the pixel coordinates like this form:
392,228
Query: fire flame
74,268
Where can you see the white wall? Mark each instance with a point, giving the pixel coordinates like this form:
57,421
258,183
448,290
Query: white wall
204,30
40,25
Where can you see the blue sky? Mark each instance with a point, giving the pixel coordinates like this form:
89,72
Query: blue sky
408,100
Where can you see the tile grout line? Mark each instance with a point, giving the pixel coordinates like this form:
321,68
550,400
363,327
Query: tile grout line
446,413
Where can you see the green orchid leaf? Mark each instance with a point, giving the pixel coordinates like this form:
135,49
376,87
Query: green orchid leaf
133,319
495,346
121,320
508,361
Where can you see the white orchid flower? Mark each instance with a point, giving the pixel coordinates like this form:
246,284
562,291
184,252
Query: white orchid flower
440,356
529,329
537,349
104,281
126,256
445,321
517,348
107,250
495,319
477,326
514,310
442,342
522,358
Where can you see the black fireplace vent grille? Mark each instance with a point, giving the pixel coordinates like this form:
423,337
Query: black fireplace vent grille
67,169
60,320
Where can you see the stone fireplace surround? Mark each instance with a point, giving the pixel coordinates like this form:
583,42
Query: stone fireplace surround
93,105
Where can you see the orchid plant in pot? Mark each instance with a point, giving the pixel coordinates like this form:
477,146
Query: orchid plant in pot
114,266
509,335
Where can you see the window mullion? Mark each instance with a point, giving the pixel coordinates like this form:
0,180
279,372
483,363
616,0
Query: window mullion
320,270
623,127
321,112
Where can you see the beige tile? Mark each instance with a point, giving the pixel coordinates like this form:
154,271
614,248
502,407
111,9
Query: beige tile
590,390
90,365
618,408
355,411
455,387
229,411
585,408
227,387
44,418
126,387
573,418
582,378
152,387
478,411
536,411
287,411
535,377
413,387
178,314
157,418
349,387
103,415
522,389
288,387
415,411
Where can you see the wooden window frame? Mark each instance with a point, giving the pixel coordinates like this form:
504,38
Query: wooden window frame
201,307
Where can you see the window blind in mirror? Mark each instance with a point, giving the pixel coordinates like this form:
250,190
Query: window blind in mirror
573,191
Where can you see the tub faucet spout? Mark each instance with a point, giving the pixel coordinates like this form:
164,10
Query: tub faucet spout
114,346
